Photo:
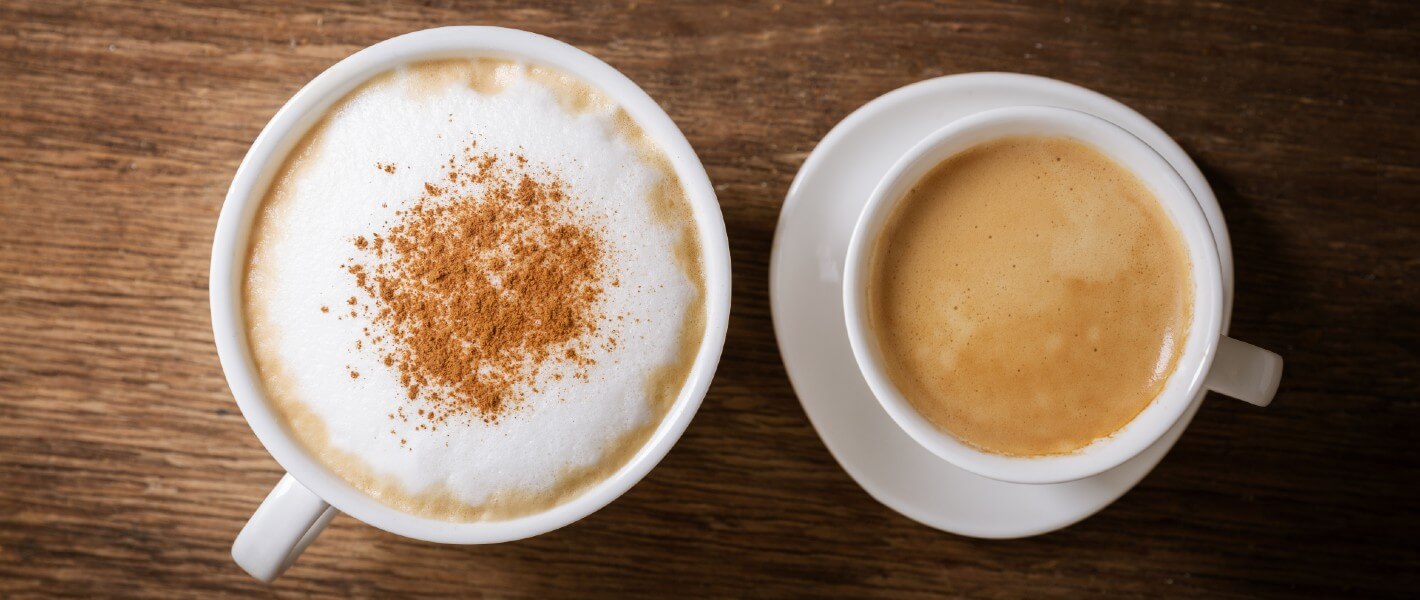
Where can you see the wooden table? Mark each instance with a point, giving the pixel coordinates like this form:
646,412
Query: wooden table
126,469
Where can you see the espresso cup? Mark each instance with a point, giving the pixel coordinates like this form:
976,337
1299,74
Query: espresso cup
1210,360
309,495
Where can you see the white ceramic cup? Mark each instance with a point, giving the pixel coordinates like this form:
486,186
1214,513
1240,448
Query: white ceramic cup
1210,360
309,495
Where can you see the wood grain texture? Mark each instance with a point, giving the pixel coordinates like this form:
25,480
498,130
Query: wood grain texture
125,469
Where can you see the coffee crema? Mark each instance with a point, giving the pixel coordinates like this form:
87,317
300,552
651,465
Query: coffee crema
1030,296
474,288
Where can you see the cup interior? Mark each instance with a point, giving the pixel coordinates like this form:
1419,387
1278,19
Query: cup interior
1178,202
306,108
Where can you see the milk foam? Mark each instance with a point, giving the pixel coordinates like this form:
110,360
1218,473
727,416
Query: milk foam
371,158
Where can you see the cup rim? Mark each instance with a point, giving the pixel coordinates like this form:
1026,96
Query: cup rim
1187,216
230,244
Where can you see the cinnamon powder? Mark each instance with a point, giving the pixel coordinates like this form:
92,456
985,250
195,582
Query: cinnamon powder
486,279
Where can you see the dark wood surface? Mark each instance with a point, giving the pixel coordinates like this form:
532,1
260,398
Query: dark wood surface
125,468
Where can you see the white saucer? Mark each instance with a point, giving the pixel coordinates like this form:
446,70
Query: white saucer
805,280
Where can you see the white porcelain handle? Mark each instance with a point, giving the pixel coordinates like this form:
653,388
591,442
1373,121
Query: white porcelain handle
286,522
1245,372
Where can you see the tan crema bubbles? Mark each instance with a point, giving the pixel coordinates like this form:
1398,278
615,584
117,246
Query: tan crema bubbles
1030,296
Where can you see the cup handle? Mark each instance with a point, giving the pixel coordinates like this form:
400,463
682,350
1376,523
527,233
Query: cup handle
286,522
1245,372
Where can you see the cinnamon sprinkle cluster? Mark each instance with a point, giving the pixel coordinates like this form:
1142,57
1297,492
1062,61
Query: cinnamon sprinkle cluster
487,278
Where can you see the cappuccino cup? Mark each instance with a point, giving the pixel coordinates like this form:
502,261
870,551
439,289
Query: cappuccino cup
1206,360
312,491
